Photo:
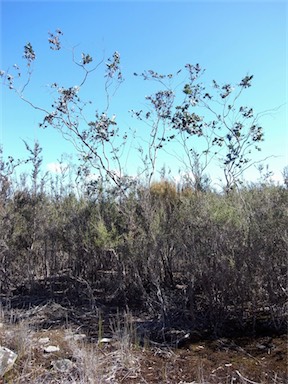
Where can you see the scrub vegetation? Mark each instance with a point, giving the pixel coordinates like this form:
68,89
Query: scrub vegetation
189,263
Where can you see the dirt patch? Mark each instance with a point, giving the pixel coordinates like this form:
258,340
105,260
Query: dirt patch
219,361
130,356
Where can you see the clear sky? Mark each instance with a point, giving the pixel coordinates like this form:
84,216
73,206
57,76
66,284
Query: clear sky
228,39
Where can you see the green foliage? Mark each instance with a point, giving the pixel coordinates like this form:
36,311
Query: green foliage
227,212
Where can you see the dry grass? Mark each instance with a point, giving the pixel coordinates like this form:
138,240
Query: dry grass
102,362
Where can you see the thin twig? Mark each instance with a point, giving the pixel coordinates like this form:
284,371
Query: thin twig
244,378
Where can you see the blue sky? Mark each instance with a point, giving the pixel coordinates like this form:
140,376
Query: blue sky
228,39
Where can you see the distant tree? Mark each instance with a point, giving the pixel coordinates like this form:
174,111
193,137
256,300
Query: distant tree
228,131
94,138
207,115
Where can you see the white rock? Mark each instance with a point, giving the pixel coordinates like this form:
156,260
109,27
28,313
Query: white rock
44,340
76,337
7,360
104,340
199,348
62,365
51,348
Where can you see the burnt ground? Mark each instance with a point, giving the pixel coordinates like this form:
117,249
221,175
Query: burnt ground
193,358
158,354
221,361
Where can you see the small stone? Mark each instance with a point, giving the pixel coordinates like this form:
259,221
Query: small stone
62,365
51,349
75,337
44,340
105,340
7,360
79,336
199,348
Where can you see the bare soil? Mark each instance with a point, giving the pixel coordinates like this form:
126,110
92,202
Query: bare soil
213,362
260,359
